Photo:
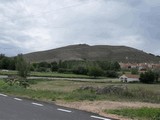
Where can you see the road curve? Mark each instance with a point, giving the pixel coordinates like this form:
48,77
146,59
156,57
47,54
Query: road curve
13,108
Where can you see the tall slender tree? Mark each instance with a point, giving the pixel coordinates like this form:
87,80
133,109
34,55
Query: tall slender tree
22,66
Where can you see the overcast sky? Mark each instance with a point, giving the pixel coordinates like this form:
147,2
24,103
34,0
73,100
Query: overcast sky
35,25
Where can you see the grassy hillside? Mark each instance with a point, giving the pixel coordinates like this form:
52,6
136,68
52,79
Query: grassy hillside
98,52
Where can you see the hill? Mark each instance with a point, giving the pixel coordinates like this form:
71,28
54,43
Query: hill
97,52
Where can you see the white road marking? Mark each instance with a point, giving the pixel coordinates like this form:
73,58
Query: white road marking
3,95
37,104
18,99
63,110
101,118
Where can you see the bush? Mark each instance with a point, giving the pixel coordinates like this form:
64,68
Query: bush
80,95
24,83
41,69
54,66
80,70
147,77
22,66
63,70
111,74
95,71
134,71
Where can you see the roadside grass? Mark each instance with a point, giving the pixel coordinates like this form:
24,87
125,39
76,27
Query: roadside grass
29,93
135,92
65,90
49,95
64,85
52,90
144,113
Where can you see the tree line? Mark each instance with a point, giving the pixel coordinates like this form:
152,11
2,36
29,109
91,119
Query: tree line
92,68
7,62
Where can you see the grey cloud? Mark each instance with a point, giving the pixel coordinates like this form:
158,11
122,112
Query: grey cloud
51,24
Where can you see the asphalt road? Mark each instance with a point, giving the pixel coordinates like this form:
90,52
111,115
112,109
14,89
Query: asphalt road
12,108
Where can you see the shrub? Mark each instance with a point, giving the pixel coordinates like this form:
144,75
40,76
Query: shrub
95,71
41,69
81,95
111,74
24,83
22,66
63,70
80,70
147,77
134,71
54,66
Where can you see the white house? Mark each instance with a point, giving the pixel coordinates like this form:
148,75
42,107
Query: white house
129,78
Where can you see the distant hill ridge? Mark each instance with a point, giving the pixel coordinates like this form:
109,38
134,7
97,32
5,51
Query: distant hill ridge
97,52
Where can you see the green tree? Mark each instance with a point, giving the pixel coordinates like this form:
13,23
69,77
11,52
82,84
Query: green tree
22,66
111,74
32,68
104,65
12,64
60,64
80,70
147,77
5,63
134,71
116,66
54,66
2,56
109,65
44,65
157,74
95,71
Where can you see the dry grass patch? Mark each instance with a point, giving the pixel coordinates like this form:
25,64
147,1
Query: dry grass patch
100,106
63,85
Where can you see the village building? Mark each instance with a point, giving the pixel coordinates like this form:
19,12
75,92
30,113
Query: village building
129,78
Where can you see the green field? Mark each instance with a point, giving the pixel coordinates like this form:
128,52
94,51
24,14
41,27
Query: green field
46,74
69,90
55,74
138,113
10,72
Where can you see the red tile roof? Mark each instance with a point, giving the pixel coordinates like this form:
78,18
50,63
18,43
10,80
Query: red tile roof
131,76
